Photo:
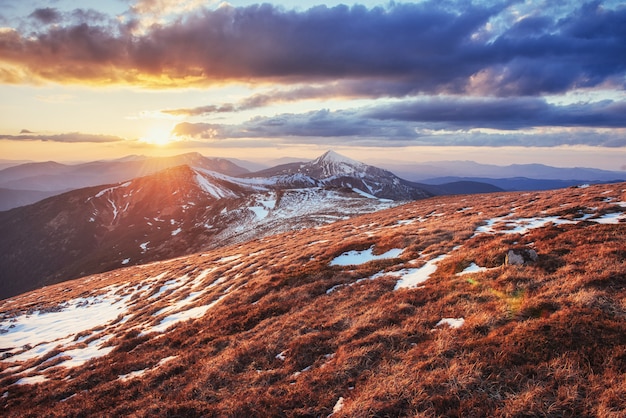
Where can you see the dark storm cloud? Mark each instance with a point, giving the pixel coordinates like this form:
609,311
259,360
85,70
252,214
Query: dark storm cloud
46,15
318,124
502,113
428,47
435,122
585,49
72,137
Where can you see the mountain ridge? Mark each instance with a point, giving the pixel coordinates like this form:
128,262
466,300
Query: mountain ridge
175,212
420,175
334,169
471,169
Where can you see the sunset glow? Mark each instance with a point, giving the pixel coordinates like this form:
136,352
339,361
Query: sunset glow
158,136
413,81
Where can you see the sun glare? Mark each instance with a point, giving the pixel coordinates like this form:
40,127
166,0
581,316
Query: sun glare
158,136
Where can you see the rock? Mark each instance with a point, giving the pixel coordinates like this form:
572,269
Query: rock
520,257
513,259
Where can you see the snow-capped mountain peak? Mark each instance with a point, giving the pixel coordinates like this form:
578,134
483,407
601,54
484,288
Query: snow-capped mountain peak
334,170
333,163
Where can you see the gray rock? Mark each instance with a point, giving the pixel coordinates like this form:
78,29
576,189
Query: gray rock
520,257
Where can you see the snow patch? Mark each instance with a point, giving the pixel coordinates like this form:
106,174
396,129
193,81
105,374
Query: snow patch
610,218
518,225
101,193
472,268
338,406
139,373
43,332
31,380
360,257
451,322
411,278
193,313
229,258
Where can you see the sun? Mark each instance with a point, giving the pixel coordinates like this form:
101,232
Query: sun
158,136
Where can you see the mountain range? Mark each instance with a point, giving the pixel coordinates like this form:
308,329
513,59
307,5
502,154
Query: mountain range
26,183
502,304
19,183
438,169
182,210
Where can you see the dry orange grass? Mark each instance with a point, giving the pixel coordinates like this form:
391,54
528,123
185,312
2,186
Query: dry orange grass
543,339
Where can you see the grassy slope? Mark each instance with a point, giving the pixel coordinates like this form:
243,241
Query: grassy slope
542,339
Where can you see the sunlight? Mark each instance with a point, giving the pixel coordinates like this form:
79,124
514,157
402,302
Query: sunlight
158,136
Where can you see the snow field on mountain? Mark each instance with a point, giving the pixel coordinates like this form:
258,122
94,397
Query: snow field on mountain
95,319
212,188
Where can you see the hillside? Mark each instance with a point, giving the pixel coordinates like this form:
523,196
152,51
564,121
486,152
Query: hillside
51,178
175,212
507,304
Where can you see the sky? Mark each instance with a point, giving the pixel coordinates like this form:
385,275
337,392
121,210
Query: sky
492,81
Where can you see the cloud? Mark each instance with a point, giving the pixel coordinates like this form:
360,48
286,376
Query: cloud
202,110
46,15
450,121
502,113
199,130
345,89
428,47
72,137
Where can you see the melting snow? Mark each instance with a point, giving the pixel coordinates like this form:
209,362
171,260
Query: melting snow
65,328
170,284
360,257
45,331
610,218
31,380
229,258
410,278
519,225
193,313
82,355
409,221
139,373
338,406
451,322
473,268
101,193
